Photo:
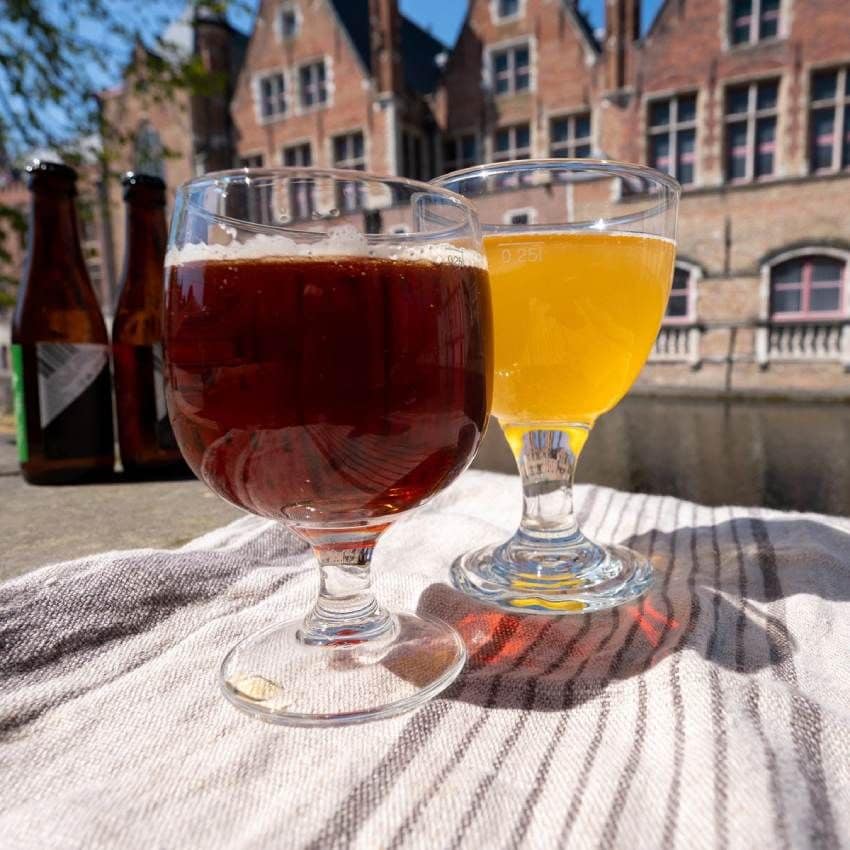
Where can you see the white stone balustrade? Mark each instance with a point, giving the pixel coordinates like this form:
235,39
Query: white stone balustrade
677,344
804,341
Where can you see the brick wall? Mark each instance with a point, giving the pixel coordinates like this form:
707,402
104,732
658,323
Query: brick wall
352,105
729,233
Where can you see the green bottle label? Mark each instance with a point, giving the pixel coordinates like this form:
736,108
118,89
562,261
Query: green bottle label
18,397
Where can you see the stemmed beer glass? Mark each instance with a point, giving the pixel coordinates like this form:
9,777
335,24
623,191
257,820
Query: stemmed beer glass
581,257
328,342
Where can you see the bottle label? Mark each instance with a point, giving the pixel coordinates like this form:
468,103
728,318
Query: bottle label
65,372
159,382
18,398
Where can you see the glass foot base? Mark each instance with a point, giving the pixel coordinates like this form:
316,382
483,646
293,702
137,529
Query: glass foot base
553,579
277,678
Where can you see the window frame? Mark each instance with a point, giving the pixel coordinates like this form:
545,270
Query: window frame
755,22
509,47
350,163
571,117
751,118
318,85
694,273
840,105
498,18
259,77
294,146
458,161
307,206
295,9
806,285
252,155
530,212
513,147
672,129
802,252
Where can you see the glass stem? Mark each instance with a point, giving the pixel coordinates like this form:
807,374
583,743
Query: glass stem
346,611
547,461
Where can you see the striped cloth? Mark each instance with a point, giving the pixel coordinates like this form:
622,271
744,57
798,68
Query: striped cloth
716,713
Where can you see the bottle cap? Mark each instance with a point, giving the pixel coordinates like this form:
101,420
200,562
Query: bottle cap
39,169
152,188
134,178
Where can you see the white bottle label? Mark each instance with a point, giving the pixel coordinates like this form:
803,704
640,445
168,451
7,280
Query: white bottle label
65,372
158,382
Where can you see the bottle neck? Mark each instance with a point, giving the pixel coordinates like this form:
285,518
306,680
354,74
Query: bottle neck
54,237
144,257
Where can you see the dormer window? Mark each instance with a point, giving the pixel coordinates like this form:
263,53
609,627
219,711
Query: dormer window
507,9
751,21
288,21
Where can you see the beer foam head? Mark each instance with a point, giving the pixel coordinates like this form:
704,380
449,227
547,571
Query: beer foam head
343,242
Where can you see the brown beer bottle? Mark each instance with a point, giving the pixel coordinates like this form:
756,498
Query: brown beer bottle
148,447
60,349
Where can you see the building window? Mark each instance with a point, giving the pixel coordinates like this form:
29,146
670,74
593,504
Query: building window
751,131
148,151
829,122
525,215
512,143
506,9
673,136
301,190
412,155
314,91
272,93
460,152
288,22
254,160
680,303
511,69
751,21
349,152
810,287
569,135
298,156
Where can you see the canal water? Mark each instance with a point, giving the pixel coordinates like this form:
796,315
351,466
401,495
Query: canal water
789,455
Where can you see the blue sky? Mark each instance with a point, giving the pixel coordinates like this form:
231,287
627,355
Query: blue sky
444,17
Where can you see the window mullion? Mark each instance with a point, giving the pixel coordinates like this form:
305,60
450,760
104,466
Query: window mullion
755,21
838,138
805,300
673,139
751,132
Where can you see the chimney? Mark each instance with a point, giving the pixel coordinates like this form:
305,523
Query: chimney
385,26
622,29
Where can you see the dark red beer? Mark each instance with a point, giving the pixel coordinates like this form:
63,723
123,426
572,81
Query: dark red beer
328,389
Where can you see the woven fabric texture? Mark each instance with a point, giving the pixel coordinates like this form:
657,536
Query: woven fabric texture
714,714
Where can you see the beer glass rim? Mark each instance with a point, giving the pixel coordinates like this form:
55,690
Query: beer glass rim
596,169
213,179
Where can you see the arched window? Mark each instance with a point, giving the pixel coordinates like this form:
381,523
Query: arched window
148,150
810,286
681,306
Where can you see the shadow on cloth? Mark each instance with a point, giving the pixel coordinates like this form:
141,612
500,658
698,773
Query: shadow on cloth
719,591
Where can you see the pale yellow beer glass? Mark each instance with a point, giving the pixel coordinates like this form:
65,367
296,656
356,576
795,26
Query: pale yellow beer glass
581,256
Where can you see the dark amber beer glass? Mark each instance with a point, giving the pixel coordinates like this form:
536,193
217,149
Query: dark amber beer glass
323,389
331,374
60,349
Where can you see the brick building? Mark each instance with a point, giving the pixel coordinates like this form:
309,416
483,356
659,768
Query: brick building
746,102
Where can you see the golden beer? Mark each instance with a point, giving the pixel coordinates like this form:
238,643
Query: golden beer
576,315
